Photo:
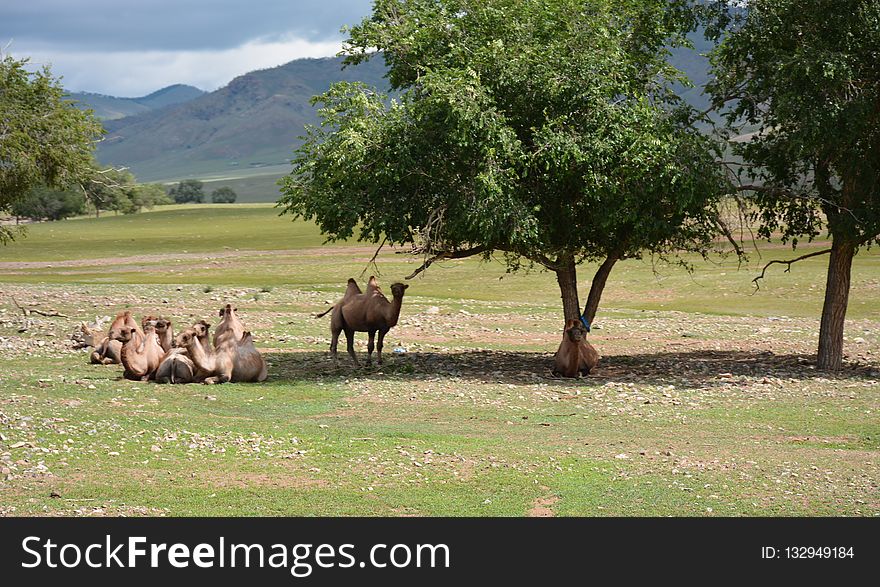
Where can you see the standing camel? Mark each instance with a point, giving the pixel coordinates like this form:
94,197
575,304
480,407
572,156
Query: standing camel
369,312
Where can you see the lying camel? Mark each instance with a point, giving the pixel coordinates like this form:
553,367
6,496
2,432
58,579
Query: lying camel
236,360
109,351
229,322
141,354
176,367
369,312
165,334
575,355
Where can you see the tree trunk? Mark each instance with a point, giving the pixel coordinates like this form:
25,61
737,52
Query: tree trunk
566,276
834,309
598,286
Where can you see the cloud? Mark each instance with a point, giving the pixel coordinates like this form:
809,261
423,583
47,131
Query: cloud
137,73
133,48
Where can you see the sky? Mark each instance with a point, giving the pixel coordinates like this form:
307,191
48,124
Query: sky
130,48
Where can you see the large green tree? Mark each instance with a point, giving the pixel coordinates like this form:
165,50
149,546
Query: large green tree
188,191
805,75
542,130
44,139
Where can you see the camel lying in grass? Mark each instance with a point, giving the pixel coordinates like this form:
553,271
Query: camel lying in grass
575,355
369,312
236,360
109,350
141,353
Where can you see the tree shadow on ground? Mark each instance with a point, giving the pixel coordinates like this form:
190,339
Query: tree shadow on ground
689,369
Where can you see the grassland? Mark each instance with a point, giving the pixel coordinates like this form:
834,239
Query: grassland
705,402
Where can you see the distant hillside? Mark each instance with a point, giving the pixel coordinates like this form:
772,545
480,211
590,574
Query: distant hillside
251,123
112,108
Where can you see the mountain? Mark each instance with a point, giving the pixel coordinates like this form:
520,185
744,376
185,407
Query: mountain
251,123
112,108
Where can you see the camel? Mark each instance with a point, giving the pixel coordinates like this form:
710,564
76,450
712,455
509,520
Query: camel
166,335
575,355
229,322
351,290
109,351
369,312
234,359
141,354
176,367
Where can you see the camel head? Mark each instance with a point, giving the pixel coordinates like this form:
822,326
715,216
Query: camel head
229,311
185,337
162,325
397,289
575,331
123,335
148,320
201,328
150,328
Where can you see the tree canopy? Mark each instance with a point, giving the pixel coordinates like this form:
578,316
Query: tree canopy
803,75
44,139
188,191
546,131
223,195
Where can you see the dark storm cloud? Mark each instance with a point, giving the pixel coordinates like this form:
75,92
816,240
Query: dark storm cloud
169,25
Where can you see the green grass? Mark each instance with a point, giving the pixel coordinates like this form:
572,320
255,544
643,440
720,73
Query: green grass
704,403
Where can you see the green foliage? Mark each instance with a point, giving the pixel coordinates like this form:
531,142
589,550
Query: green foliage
148,195
546,130
188,191
44,139
49,204
224,195
805,73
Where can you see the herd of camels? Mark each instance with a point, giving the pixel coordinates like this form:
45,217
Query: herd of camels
150,351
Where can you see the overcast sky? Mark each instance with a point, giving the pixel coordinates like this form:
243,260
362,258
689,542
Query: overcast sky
134,47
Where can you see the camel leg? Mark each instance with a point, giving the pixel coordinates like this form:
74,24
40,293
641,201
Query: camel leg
381,343
371,346
349,337
334,342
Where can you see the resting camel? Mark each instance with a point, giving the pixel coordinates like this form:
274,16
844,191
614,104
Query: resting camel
369,312
141,353
229,322
236,360
176,367
165,334
575,355
108,351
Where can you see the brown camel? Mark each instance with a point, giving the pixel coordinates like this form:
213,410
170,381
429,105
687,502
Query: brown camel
229,322
165,333
109,351
351,290
369,312
141,354
176,367
234,359
575,355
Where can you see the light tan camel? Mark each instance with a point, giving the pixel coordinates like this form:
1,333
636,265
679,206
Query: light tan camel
109,351
575,355
165,334
141,353
229,322
369,312
236,360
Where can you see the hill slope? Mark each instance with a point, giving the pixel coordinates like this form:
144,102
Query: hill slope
251,123
112,108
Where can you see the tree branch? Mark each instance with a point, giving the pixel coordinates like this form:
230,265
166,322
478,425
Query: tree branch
788,263
459,254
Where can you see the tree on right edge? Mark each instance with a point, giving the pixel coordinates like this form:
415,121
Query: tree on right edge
805,73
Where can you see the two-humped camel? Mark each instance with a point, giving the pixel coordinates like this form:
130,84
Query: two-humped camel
369,312
233,356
